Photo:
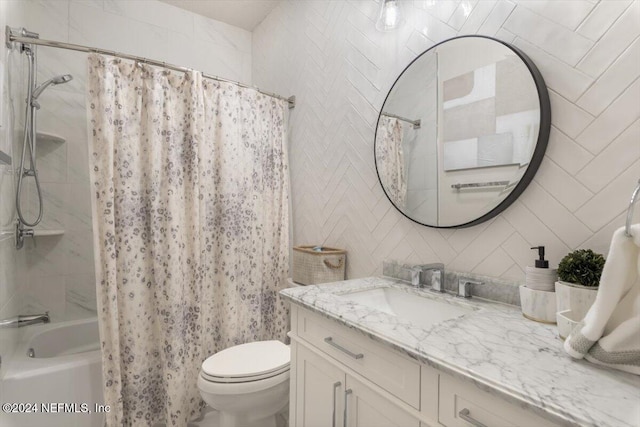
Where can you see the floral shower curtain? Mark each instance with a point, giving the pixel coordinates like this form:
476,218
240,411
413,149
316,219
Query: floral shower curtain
390,159
190,208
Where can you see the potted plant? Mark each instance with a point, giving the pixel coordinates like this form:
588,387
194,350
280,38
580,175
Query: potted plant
579,273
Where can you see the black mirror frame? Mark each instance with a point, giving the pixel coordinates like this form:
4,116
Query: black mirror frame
538,154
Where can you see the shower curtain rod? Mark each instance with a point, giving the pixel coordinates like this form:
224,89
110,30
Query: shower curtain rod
12,37
415,123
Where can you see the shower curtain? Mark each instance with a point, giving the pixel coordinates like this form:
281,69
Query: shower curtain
390,159
190,208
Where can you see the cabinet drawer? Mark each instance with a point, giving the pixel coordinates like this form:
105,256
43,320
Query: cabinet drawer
458,397
393,372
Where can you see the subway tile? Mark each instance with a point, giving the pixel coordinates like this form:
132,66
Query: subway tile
569,155
559,76
599,242
461,13
555,215
613,42
568,13
572,193
496,18
602,17
514,273
442,10
615,119
505,36
611,201
488,241
432,28
496,264
477,16
568,117
613,82
461,238
418,43
618,156
553,38
519,250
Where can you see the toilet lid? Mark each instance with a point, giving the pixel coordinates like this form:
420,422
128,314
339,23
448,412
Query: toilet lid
247,361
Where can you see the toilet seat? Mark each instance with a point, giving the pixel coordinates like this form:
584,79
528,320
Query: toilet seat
249,362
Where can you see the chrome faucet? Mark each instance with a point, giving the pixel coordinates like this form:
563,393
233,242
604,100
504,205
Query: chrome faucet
25,320
437,275
464,287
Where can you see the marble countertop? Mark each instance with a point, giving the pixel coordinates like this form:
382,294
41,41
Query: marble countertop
497,348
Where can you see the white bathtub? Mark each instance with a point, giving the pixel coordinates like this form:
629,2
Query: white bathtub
65,369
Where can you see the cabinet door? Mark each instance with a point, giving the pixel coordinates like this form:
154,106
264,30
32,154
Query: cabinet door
366,408
319,391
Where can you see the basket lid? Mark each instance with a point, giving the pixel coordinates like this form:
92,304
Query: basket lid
324,250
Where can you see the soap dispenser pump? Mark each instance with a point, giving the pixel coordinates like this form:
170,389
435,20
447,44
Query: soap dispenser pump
541,262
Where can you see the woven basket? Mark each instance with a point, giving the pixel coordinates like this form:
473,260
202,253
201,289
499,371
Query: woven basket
312,267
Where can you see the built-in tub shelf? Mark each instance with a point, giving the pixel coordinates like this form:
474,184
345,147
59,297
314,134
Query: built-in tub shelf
49,137
44,233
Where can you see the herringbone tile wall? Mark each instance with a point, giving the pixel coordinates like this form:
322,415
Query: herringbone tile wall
330,56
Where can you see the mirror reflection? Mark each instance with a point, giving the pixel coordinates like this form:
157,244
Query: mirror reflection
458,131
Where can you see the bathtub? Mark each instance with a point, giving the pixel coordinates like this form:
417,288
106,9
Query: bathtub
63,378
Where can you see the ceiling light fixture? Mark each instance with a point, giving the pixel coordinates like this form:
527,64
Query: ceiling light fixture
390,16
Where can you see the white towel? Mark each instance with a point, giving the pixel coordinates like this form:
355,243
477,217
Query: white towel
610,332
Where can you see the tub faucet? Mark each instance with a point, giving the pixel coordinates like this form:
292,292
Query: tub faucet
437,275
25,320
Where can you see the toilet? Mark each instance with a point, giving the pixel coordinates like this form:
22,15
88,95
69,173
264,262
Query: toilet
247,384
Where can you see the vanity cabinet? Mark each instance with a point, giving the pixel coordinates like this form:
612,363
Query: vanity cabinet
328,396
341,378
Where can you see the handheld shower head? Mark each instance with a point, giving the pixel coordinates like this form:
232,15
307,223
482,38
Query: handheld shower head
57,80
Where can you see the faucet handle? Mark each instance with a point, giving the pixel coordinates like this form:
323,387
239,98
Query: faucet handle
415,275
464,287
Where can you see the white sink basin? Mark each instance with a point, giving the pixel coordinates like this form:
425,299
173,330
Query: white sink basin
420,310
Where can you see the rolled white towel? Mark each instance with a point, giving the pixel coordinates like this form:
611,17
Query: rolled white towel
610,332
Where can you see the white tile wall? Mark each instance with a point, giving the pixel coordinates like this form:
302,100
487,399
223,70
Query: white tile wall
60,270
586,53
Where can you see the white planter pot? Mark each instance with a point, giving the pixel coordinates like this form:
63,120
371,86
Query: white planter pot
538,305
577,298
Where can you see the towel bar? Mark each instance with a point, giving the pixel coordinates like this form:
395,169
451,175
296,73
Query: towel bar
634,199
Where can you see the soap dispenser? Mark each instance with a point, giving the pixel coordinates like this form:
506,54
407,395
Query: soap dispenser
541,277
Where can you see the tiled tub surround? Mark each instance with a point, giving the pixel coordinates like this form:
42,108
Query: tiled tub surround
495,347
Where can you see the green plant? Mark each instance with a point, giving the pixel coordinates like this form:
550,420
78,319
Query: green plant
582,266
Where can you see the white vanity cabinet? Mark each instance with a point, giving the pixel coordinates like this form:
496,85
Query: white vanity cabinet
341,378
328,396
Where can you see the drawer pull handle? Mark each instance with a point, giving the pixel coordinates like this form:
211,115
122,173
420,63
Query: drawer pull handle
331,342
335,391
465,414
346,407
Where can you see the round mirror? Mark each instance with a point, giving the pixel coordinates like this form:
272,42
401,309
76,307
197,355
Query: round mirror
462,132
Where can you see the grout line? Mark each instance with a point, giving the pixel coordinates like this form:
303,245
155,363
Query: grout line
618,134
606,32
607,146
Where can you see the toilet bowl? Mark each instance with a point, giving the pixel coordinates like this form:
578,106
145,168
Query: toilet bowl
247,384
